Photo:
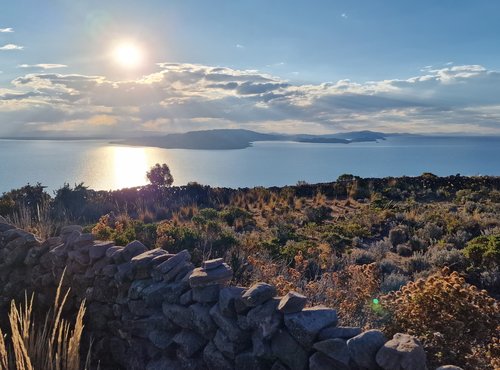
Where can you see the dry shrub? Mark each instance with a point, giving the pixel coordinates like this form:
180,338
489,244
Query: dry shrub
351,291
457,323
55,345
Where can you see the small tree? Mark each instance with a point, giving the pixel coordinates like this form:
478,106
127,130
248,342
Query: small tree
160,176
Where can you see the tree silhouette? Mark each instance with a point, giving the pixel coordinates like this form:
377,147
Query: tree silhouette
160,176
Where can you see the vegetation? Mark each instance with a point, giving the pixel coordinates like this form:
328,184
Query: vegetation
55,345
350,244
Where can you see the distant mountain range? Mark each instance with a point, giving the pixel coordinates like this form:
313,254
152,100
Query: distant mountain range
224,139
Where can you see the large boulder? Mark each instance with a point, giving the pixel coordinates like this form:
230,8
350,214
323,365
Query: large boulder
292,302
288,351
402,352
363,348
305,325
258,294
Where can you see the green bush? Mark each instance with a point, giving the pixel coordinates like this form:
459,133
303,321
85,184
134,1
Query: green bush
484,251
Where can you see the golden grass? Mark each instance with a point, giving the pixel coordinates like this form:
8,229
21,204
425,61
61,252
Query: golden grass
55,345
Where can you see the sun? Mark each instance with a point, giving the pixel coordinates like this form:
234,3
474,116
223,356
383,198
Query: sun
128,55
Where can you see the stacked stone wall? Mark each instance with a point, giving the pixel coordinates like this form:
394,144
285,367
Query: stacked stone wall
149,309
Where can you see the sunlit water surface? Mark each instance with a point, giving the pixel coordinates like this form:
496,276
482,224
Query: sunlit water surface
105,166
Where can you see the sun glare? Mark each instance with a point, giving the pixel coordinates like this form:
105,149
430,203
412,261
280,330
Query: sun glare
131,165
128,55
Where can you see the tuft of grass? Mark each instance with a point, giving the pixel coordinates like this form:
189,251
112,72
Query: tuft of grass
55,345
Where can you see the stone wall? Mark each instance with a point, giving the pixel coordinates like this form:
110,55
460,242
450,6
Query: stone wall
148,309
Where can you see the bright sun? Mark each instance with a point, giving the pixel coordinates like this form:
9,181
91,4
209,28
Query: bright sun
128,55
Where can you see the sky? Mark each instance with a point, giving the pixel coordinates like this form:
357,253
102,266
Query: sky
132,68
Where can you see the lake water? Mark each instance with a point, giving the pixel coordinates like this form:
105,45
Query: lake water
105,166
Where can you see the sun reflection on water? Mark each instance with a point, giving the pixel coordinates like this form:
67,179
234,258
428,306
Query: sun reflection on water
130,166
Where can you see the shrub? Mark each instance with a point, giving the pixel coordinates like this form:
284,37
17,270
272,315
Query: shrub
454,320
404,250
442,257
484,251
417,262
398,235
392,282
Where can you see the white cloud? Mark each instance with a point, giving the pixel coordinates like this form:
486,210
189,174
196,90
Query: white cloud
43,66
239,46
11,47
180,97
6,30
344,15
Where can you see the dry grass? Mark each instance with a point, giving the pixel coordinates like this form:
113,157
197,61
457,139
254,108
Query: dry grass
55,345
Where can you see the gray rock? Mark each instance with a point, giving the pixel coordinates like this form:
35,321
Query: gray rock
124,272
265,318
187,298
137,287
214,359
145,260
261,347
226,347
258,294
319,361
178,259
402,352
133,249
220,275
202,321
139,308
336,349
227,297
189,342
177,314
228,325
206,294
363,348
98,249
449,367
163,363
343,332
247,361
304,326
288,351
115,253
85,240
212,264
292,302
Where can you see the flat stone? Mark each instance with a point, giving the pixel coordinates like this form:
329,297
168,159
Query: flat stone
304,326
187,298
161,339
133,249
363,348
219,275
247,361
343,332
336,349
292,302
258,294
84,240
402,352
449,367
288,351
174,261
145,260
212,264
98,249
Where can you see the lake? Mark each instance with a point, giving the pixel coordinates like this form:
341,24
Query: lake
105,166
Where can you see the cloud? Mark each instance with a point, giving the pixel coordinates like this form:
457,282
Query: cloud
11,47
181,97
239,46
43,66
6,30
343,15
